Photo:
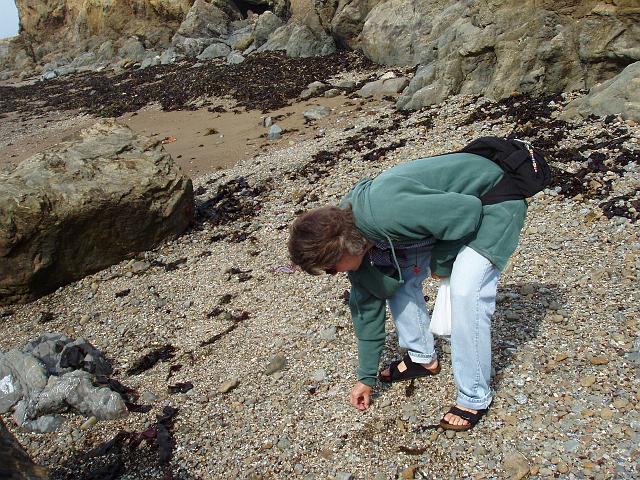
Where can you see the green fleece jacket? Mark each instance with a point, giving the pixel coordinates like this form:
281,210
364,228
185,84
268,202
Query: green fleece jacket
436,196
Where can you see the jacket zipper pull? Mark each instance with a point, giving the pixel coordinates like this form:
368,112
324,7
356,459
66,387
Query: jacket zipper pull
533,159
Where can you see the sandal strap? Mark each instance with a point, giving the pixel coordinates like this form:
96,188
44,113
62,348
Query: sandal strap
470,417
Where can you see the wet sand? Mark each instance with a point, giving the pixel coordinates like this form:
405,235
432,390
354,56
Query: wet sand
200,141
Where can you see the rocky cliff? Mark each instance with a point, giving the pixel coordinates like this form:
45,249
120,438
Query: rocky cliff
484,47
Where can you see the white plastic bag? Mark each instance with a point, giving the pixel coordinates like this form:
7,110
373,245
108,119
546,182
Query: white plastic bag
441,318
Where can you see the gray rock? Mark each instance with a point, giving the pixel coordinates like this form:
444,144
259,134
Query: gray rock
275,132
266,24
333,92
169,56
320,375
346,84
151,60
140,267
348,22
276,364
132,49
85,59
76,390
215,50
48,75
43,424
206,20
459,53
328,334
235,58
379,88
106,51
129,187
191,47
241,38
299,40
344,476
60,354
312,90
617,96
316,113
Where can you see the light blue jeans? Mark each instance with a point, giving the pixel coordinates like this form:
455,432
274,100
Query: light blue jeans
474,282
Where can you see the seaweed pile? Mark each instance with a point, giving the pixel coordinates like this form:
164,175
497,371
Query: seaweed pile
265,81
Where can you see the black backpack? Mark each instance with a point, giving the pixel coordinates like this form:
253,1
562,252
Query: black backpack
525,170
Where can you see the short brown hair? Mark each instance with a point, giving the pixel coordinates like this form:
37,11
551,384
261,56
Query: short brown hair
318,238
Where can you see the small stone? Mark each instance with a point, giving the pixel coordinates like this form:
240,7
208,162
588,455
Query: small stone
229,385
588,381
521,398
319,375
409,473
90,422
563,468
620,402
316,113
528,289
511,316
140,267
344,476
515,465
275,132
276,364
599,360
606,414
328,334
333,92
450,433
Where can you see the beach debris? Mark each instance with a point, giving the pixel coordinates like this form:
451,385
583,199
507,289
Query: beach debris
180,387
53,374
169,139
147,361
284,269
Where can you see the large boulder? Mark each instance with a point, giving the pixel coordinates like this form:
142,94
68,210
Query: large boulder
15,463
86,204
618,96
299,40
266,24
348,21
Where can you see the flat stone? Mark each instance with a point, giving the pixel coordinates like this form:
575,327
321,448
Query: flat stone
588,380
316,113
515,465
277,363
599,360
229,385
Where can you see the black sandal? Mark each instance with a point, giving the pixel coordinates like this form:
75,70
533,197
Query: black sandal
472,418
413,370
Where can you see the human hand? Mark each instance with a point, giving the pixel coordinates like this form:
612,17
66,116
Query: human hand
360,396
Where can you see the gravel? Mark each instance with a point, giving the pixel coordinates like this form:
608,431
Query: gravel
565,343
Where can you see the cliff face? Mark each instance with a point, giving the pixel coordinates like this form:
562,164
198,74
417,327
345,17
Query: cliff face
484,47
77,21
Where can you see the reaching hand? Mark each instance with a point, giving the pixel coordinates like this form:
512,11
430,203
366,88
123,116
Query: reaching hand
360,396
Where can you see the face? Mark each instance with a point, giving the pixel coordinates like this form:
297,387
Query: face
347,263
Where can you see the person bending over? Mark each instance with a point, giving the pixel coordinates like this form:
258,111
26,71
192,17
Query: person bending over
389,233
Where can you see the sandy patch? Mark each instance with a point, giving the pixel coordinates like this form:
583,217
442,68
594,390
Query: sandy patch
205,140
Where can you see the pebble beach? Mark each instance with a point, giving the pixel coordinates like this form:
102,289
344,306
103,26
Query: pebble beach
270,350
